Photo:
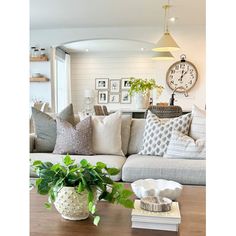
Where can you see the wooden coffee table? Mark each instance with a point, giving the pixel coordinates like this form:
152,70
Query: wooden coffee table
116,220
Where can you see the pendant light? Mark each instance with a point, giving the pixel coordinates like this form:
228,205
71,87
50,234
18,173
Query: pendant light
163,56
166,43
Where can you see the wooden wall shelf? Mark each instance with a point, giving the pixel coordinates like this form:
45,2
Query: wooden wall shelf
39,58
39,79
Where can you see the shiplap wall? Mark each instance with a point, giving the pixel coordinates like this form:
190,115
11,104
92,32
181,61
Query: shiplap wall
85,67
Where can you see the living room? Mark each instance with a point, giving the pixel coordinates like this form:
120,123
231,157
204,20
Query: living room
117,98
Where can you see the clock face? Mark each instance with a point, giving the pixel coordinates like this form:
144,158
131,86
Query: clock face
181,74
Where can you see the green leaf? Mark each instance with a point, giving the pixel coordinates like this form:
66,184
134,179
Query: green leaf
68,161
107,180
84,163
80,187
37,182
56,167
101,165
90,206
112,171
126,193
93,209
126,203
47,205
47,174
43,187
96,220
90,196
37,162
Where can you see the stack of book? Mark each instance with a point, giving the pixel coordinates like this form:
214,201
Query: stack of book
143,219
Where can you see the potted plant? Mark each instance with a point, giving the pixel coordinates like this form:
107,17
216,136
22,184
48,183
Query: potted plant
140,89
75,188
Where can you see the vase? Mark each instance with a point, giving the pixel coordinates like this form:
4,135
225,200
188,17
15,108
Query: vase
71,204
142,100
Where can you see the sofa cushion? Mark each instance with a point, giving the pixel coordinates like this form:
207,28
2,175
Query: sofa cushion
109,160
157,133
45,128
185,147
181,170
74,139
198,124
136,136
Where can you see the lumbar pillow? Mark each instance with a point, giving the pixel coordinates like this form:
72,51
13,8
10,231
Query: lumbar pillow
107,135
74,140
157,133
184,147
198,124
46,130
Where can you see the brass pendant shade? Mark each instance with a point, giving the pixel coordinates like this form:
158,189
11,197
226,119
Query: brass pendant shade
163,56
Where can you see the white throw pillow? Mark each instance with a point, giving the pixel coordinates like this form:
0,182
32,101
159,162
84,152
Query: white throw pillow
184,147
198,125
107,135
157,132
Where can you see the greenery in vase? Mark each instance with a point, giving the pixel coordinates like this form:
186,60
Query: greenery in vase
138,85
83,177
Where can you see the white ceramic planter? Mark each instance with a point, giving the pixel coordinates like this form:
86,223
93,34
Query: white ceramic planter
141,100
153,188
72,205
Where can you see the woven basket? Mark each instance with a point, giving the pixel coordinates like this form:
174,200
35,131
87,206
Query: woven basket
72,205
165,111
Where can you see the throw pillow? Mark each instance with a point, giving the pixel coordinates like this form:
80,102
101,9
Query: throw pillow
45,128
184,147
198,124
157,132
74,140
107,135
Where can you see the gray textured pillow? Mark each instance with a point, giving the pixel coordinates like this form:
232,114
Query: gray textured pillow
45,128
74,140
157,133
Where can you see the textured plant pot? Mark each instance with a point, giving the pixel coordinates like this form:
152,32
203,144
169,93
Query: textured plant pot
141,100
72,205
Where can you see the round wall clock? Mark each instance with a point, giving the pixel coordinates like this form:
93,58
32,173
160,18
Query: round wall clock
182,75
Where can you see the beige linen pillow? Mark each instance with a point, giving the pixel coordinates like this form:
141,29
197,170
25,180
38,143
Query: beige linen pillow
107,135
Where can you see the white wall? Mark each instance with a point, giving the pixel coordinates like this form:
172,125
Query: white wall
191,39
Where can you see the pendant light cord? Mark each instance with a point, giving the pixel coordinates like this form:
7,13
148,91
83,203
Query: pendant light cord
166,7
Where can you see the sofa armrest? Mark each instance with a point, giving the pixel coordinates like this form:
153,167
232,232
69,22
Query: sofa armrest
32,142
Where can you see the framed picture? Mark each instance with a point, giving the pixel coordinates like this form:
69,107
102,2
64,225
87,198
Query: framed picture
102,96
114,98
125,98
125,83
101,83
114,85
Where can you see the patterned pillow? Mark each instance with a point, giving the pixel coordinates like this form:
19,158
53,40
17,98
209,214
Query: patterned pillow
157,133
184,147
74,140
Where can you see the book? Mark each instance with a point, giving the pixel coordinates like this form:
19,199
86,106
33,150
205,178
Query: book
170,217
155,226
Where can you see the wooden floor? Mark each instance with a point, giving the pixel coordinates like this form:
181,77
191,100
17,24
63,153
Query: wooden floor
116,220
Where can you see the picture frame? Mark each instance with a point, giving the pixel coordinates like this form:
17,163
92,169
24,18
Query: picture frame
115,85
125,97
114,98
125,83
102,96
101,83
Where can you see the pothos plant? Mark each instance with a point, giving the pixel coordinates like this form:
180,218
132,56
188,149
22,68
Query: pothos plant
83,177
138,85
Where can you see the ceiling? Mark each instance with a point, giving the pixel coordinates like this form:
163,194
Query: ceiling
55,14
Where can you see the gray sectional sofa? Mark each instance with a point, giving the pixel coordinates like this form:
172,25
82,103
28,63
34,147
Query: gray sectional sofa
134,166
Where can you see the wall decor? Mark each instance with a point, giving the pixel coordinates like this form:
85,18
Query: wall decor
125,83
102,96
182,75
114,85
114,98
125,98
101,83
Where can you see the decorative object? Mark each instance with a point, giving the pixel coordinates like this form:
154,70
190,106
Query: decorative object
125,83
156,204
88,101
101,83
114,98
114,85
125,97
74,140
153,188
75,188
182,146
102,96
163,56
166,43
159,132
140,89
109,126
46,130
181,76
